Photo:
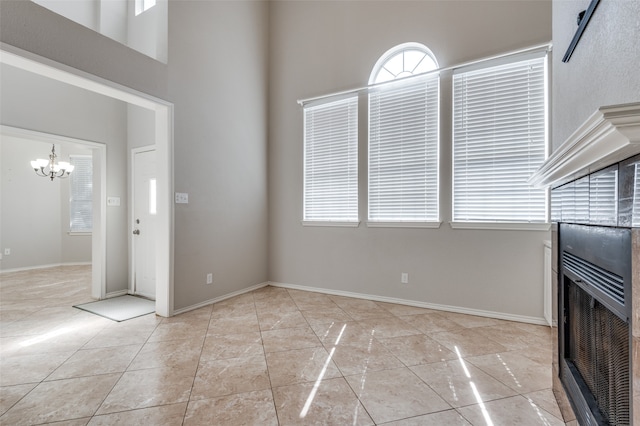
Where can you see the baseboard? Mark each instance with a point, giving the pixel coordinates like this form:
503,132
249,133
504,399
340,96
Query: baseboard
116,294
418,304
53,265
220,299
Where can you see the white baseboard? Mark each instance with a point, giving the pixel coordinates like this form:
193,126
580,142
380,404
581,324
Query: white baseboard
53,265
418,304
220,299
116,293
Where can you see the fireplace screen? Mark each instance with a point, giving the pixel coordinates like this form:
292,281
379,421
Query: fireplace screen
598,348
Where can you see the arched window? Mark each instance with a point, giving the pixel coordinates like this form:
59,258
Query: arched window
402,61
403,139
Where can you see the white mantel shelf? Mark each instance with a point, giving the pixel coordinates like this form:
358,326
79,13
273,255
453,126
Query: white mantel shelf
610,135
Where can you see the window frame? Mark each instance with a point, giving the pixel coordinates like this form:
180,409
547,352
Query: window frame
141,6
351,103
77,170
431,190
541,225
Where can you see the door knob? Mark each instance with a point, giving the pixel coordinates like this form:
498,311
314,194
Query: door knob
136,232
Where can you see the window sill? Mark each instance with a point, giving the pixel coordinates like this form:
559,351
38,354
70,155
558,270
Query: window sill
503,226
79,233
432,225
330,223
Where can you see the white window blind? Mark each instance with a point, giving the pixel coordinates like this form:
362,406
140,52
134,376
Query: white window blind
499,140
331,161
403,151
81,194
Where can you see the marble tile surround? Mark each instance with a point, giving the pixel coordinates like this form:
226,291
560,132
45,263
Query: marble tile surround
270,357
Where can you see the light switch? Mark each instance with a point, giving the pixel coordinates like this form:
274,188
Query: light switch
113,201
182,198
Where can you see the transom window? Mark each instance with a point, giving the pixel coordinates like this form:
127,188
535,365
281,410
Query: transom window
403,61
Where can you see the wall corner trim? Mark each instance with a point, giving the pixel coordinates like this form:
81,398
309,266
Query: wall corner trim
220,298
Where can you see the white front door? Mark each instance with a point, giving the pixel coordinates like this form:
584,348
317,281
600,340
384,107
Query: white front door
144,223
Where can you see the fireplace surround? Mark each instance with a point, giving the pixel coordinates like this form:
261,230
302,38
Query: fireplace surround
594,178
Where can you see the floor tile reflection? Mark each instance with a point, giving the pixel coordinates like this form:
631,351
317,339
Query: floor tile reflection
273,356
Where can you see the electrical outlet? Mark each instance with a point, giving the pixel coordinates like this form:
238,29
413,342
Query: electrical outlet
209,278
182,198
404,278
7,252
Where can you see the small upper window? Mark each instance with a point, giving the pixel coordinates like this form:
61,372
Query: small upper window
144,5
403,61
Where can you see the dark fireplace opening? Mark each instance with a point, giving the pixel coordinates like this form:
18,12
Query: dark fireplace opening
597,355
595,337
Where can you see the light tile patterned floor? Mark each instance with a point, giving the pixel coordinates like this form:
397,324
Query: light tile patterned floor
270,357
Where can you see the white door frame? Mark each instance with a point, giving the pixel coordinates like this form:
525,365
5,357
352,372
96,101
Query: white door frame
163,114
132,254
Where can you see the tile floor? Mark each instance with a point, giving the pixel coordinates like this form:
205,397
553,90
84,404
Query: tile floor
270,357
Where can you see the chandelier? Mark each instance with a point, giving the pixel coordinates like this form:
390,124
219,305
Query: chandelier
50,168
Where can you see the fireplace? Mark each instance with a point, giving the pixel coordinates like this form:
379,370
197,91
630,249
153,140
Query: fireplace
595,334
594,177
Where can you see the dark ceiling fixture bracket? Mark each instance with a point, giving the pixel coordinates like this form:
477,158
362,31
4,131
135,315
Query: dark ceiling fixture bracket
583,20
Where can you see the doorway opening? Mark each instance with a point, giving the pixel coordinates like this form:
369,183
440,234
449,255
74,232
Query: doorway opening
163,126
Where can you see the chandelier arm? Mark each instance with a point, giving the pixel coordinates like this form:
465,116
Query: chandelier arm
40,172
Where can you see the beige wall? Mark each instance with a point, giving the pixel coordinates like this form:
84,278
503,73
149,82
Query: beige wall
605,67
323,47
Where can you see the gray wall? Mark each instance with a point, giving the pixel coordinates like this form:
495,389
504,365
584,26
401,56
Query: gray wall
605,67
218,83
322,47
31,215
35,226
217,79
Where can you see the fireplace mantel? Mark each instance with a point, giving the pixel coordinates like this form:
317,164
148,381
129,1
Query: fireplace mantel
610,135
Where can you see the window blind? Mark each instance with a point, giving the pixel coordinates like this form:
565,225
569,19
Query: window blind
81,194
331,161
499,140
403,151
